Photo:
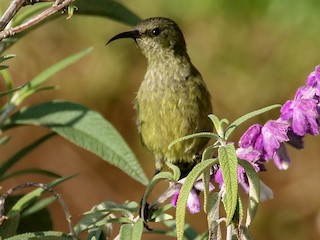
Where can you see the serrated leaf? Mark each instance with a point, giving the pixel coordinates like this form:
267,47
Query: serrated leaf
47,235
238,214
184,193
107,8
131,231
85,128
246,117
229,167
137,230
213,215
254,191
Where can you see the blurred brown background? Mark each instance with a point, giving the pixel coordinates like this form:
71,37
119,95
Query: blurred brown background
251,54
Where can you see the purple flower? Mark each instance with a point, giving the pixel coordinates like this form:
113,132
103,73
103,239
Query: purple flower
281,158
295,140
274,132
303,115
242,178
314,77
265,139
307,92
262,143
193,202
252,156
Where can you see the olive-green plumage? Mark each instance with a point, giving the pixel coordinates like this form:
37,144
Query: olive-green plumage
173,100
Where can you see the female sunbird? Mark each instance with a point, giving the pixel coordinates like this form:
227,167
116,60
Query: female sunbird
173,100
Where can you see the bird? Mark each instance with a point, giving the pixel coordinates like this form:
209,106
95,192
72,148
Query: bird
173,100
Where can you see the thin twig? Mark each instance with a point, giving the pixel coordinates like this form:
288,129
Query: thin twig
56,7
10,12
46,187
31,2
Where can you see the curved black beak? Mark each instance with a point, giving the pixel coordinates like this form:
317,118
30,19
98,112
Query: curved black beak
130,34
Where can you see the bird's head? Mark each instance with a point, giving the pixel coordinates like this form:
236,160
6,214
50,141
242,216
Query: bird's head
155,36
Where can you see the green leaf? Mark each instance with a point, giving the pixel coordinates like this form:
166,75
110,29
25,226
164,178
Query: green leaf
87,221
12,90
85,128
48,235
137,230
6,57
107,8
238,213
37,206
176,171
21,153
4,140
7,80
10,226
131,231
246,117
97,234
127,209
254,191
157,214
189,232
184,193
28,198
200,134
213,215
34,84
30,171
242,233
57,67
229,165
126,232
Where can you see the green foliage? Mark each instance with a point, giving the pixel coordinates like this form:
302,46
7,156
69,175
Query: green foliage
49,235
80,125
184,193
89,130
229,166
84,127
107,8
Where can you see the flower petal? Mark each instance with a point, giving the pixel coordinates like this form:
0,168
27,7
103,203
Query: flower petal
193,202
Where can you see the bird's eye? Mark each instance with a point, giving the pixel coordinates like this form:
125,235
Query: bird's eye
156,31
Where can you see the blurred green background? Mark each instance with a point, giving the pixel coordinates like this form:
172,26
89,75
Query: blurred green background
250,53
